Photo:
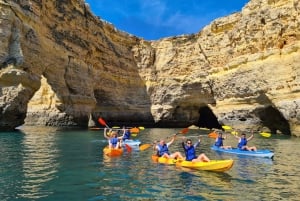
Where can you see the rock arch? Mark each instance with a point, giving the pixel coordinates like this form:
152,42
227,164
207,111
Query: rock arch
273,119
207,118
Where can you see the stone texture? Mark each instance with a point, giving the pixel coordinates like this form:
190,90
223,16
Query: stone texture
63,66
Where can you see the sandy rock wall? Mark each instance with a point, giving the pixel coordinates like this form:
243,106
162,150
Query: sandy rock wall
239,66
61,66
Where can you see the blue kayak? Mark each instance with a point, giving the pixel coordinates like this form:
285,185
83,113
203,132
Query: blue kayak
134,143
264,153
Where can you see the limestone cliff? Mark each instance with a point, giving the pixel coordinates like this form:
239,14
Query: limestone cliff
60,65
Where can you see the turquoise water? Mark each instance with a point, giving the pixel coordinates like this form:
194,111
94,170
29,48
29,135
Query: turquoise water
51,164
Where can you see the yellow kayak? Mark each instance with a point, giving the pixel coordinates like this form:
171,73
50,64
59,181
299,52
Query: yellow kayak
168,161
213,165
112,152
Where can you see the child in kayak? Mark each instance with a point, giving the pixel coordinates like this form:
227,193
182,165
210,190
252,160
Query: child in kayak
162,149
219,141
242,144
190,152
113,140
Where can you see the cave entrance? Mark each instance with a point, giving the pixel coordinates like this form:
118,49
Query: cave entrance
273,119
207,119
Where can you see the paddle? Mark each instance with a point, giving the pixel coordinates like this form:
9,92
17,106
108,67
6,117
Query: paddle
213,135
265,134
134,130
102,122
226,127
146,146
128,148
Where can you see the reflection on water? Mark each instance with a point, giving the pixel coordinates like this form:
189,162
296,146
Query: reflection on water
45,164
39,162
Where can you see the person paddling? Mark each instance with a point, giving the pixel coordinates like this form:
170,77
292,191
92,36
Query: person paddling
114,142
126,135
190,151
242,143
219,141
162,149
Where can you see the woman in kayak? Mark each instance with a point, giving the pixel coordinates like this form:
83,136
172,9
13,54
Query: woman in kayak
242,145
113,140
190,152
219,141
162,149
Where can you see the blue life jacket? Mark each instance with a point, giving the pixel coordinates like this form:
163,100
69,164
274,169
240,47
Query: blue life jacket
242,143
163,149
219,142
190,153
114,141
127,135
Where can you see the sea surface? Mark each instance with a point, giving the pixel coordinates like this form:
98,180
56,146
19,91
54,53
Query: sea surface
42,163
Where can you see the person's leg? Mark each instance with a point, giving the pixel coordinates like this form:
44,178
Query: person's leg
246,148
177,155
203,157
165,155
119,145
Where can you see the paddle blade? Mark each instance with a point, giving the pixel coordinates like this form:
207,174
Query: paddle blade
213,135
226,127
128,148
134,130
184,131
102,122
234,133
144,147
264,134
141,128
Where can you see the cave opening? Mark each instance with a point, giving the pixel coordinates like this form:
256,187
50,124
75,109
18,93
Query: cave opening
273,119
207,119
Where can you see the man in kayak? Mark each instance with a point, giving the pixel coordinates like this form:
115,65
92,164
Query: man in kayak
190,152
242,145
113,140
219,141
162,149
126,134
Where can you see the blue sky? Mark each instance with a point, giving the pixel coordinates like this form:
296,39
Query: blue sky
155,19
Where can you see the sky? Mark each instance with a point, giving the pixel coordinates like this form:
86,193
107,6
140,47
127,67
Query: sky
155,19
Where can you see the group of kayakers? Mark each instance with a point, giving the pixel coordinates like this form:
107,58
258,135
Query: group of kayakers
242,142
115,141
162,148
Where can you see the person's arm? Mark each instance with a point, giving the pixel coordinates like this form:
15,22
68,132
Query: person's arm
155,147
183,145
225,136
172,140
105,133
198,142
251,137
124,130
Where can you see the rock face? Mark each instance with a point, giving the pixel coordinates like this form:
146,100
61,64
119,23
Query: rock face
62,66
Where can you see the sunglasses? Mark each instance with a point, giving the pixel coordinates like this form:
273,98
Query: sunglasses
189,143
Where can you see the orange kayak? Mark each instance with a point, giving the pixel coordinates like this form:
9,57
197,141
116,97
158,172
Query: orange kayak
112,152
